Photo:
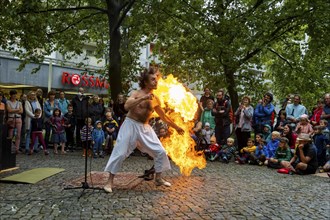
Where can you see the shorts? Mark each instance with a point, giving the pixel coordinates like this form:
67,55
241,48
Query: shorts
309,170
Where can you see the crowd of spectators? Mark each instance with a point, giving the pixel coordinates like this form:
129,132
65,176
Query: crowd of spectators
35,122
292,140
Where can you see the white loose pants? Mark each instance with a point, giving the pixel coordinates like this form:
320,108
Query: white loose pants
130,133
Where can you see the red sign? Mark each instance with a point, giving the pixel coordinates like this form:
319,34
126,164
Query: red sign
84,80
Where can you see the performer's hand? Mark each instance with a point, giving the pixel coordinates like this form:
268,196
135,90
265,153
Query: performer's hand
180,130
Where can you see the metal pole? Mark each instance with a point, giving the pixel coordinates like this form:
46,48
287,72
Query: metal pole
50,75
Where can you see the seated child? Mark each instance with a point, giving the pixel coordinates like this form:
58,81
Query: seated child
266,133
36,131
320,142
98,139
325,132
271,147
303,126
246,152
212,150
227,151
283,153
258,158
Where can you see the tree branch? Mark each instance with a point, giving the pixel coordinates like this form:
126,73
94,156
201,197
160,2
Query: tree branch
249,55
73,24
280,56
175,16
127,6
66,9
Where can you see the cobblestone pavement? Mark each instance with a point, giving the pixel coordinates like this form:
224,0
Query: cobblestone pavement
220,191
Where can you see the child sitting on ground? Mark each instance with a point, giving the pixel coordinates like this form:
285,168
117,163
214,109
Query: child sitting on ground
212,150
259,153
283,153
303,126
227,151
98,140
258,158
271,147
36,131
246,152
320,141
325,132
267,133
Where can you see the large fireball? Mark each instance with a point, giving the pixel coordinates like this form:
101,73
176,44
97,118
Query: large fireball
181,107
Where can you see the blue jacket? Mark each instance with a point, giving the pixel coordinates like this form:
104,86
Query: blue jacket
63,105
271,147
98,135
320,142
262,114
48,109
259,152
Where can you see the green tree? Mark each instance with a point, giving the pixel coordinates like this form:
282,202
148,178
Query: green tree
228,43
33,29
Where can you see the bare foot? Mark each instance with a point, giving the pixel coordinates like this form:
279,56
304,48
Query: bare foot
108,188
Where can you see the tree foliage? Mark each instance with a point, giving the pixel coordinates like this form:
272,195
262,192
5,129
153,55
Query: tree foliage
230,43
235,44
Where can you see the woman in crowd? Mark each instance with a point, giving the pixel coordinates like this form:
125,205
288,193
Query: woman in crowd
243,115
50,104
31,105
290,135
14,120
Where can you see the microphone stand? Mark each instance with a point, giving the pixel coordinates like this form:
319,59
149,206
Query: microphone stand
84,185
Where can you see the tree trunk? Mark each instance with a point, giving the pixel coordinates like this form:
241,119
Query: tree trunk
115,79
229,74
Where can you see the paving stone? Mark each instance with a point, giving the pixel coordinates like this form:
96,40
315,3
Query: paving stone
220,191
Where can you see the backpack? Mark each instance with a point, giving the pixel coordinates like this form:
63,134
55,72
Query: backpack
231,113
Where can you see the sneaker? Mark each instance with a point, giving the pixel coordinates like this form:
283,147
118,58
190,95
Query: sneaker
225,159
46,152
161,182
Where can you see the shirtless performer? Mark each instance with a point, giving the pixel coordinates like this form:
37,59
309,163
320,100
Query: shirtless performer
135,128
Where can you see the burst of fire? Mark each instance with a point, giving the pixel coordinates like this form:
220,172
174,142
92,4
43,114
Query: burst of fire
180,106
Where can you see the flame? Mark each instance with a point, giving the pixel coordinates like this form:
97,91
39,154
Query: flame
181,106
